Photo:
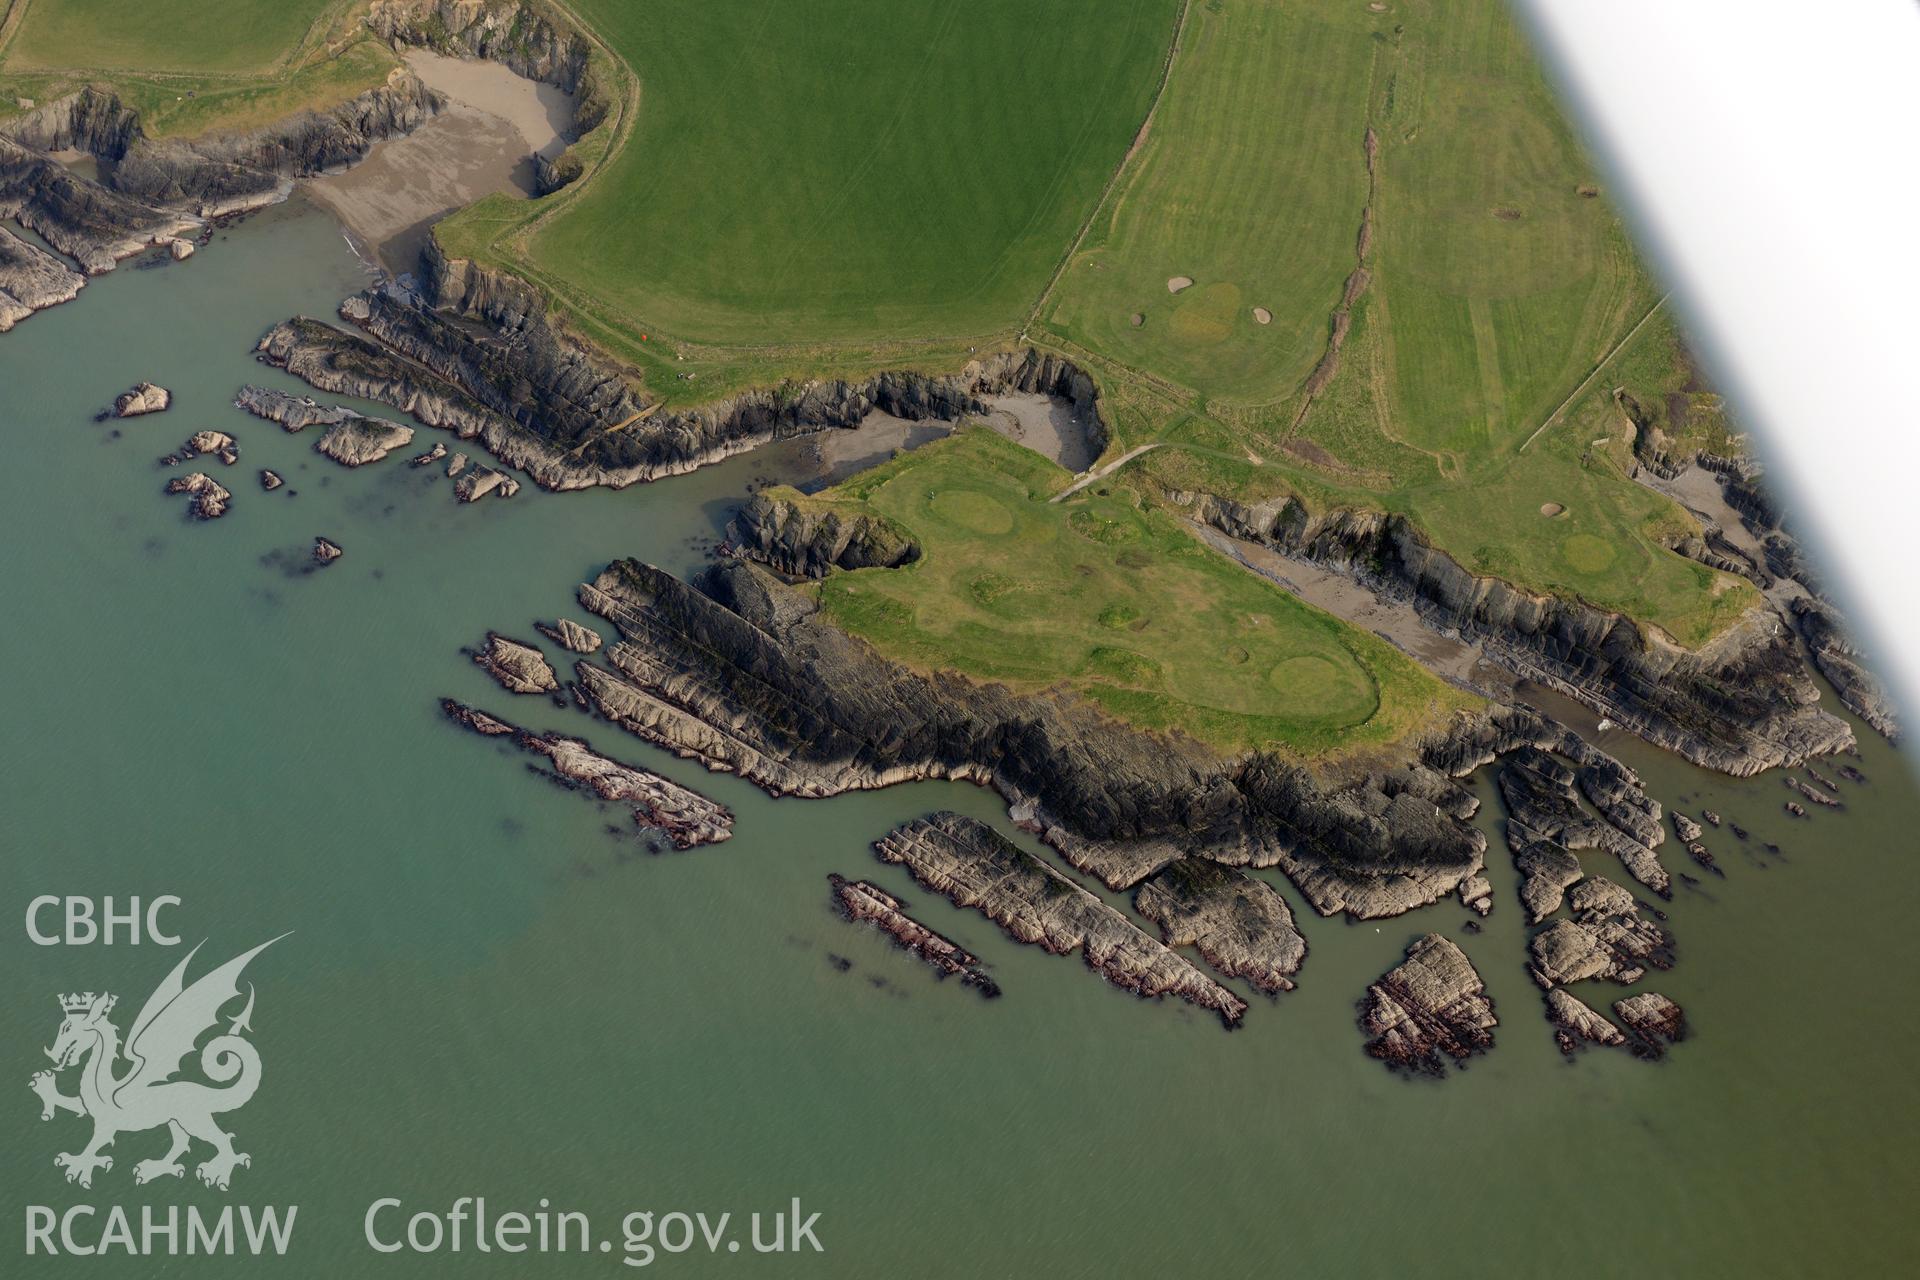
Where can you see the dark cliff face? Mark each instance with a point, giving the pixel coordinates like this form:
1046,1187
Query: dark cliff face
806,544
1741,703
223,172
740,671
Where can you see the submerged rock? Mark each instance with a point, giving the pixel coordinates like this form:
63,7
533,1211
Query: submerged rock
973,865
519,668
1241,926
1430,1007
209,496
686,817
866,903
145,397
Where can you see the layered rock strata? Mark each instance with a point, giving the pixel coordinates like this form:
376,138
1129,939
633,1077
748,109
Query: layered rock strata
1546,823
31,280
516,667
811,544
1654,1021
866,903
570,635
1241,926
1607,938
1427,1009
685,817
1576,1024
973,865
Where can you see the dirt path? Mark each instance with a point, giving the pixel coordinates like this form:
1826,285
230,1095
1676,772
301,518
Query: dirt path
1107,470
1617,349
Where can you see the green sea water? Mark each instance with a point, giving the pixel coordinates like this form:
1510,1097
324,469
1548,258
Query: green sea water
488,994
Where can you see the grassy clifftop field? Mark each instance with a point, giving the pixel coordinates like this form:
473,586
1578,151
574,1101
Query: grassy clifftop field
1344,251
1116,600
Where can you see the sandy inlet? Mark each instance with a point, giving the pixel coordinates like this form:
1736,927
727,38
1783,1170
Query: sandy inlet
494,124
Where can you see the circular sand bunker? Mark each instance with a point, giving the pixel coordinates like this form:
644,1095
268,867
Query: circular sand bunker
1138,319
1176,283
1551,509
1262,316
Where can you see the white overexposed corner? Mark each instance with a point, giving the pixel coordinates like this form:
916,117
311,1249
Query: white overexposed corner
1765,153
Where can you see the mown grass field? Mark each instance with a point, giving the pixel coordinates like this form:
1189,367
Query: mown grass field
1116,600
192,36
854,169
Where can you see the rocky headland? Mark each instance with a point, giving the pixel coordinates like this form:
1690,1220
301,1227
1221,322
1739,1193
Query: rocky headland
1241,926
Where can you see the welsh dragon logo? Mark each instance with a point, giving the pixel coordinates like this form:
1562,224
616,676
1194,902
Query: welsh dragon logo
146,1095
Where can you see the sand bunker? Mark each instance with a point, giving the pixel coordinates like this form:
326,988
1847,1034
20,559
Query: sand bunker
1262,316
494,124
1176,283
1138,319
1551,509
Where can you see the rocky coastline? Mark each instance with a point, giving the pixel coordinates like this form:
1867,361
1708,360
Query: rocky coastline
972,865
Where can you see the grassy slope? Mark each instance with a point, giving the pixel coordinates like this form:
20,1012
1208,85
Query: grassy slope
854,169
1495,288
1116,600
162,35
181,75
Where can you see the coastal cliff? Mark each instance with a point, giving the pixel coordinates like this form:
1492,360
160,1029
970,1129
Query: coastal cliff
740,671
811,544
1741,703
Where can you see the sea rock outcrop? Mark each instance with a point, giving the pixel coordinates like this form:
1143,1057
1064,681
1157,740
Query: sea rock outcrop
972,865
1654,1021
570,635
270,480
326,551
1241,926
357,441
810,544
1546,823
518,668
1740,703
686,817
864,902
1428,1008
31,280
476,482
1607,938
145,397
208,498
1577,1024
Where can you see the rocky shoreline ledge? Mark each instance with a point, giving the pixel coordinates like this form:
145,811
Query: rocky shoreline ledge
866,903
972,865
687,818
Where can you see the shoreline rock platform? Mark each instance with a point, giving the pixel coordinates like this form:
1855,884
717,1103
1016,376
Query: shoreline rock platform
864,902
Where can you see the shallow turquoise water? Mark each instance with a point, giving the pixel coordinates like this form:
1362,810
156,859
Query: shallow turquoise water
487,994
